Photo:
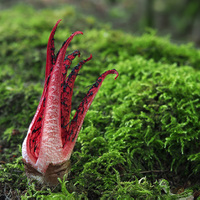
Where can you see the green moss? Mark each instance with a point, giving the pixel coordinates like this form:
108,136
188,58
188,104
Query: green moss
144,124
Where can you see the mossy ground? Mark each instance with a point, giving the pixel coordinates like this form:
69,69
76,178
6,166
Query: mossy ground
140,138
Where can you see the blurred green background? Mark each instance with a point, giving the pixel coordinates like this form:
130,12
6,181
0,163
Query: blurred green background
180,19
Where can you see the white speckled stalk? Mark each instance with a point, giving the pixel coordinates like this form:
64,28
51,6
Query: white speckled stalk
51,142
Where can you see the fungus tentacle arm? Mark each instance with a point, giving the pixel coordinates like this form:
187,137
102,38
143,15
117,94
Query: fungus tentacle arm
50,59
79,116
67,98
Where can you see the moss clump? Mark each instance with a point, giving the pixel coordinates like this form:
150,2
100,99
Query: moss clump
144,124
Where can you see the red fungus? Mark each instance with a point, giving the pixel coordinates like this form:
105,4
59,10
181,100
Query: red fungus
51,137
